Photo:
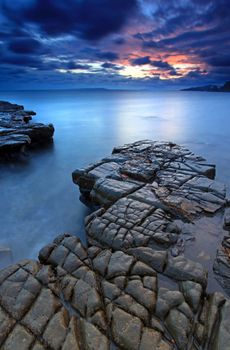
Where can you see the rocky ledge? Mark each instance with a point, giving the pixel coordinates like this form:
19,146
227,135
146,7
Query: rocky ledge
17,131
132,287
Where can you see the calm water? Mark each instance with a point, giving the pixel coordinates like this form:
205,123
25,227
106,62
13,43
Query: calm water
37,197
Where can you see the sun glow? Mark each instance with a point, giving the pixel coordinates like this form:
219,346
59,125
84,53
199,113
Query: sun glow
135,71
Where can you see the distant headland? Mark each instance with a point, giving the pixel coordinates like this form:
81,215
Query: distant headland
211,88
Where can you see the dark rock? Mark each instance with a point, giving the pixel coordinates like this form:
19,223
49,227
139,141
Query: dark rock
180,327
16,130
73,301
110,295
166,300
151,339
126,329
155,259
183,269
222,338
119,264
192,293
222,265
227,217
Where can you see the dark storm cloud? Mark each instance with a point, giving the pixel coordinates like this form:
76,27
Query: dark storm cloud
173,15
191,28
111,56
21,60
74,65
100,36
108,65
119,41
162,65
190,40
141,60
24,46
91,19
219,60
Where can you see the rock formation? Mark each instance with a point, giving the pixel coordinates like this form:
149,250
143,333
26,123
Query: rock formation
132,287
17,131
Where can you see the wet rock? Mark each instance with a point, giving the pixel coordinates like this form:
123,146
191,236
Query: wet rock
91,298
222,338
179,327
215,303
16,130
9,107
142,269
101,261
107,191
166,300
192,293
119,264
20,338
128,304
183,269
222,265
143,295
126,329
152,339
227,217
92,338
111,294
156,259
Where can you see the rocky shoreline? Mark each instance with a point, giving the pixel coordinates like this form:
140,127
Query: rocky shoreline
18,132
134,287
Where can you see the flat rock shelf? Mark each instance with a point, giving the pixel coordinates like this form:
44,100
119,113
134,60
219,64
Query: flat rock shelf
133,287
17,131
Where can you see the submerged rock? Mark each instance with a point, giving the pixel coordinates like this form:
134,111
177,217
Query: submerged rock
18,132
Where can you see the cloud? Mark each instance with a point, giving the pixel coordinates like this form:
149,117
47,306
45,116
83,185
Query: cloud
141,61
108,65
162,65
90,19
73,65
119,41
219,60
99,40
24,46
21,60
112,56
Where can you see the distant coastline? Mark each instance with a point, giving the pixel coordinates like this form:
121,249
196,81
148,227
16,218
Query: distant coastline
211,88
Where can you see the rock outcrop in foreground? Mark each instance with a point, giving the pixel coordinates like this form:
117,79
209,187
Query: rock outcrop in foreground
133,287
17,131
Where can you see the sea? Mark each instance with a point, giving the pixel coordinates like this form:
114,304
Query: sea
38,199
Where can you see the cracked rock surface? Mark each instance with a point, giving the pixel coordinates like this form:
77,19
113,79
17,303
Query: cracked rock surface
153,198
132,287
18,131
100,298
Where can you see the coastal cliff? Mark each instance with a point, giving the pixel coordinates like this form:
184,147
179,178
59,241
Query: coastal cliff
134,286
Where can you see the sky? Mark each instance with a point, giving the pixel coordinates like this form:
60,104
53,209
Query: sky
118,44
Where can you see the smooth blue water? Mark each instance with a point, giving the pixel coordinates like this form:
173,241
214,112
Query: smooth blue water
38,200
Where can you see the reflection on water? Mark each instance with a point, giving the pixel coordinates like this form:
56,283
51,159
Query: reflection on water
39,201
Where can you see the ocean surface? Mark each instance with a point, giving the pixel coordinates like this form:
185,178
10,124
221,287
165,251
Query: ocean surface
38,200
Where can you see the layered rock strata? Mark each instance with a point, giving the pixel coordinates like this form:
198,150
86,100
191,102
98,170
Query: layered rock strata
132,287
17,131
